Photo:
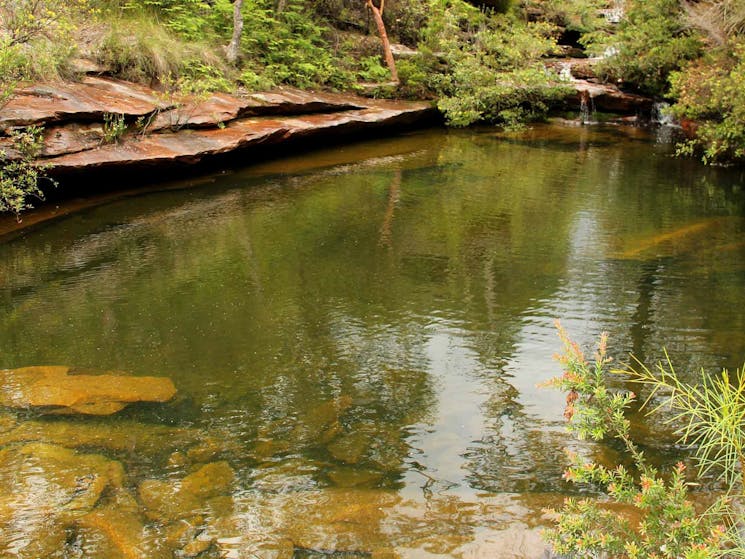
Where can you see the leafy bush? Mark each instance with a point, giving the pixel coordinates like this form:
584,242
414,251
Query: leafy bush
372,70
652,41
20,175
114,128
651,516
494,71
291,47
583,16
36,39
254,81
711,92
192,20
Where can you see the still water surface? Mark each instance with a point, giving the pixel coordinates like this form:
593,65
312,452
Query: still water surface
359,333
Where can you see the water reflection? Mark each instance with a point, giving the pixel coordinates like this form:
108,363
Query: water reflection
357,335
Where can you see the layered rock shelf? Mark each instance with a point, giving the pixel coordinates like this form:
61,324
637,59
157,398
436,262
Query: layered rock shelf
102,125
157,129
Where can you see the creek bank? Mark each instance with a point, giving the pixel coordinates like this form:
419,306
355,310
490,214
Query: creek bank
102,125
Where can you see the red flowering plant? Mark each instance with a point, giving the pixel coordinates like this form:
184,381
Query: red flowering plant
641,514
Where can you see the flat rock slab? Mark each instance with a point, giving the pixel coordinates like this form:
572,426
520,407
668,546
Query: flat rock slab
54,390
85,101
91,98
192,146
221,108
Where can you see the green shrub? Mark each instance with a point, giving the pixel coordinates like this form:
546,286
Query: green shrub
291,47
711,92
37,39
192,20
494,72
415,75
653,40
20,175
583,16
254,81
372,70
648,515
114,128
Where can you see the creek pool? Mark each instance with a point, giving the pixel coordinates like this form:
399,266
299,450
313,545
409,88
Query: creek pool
356,335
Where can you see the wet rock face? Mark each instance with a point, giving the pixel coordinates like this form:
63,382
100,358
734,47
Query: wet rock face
54,390
608,98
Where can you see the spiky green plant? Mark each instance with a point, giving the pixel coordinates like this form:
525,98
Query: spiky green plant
709,416
652,515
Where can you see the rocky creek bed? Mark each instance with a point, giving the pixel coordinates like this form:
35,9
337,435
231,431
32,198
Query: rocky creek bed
83,486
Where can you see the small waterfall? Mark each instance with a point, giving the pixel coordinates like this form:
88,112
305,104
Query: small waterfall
587,111
667,126
565,72
609,51
661,114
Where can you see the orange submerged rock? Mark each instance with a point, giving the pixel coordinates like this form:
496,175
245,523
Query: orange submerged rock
59,391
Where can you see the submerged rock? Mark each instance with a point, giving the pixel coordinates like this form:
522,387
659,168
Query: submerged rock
57,391
117,531
350,447
123,436
167,501
43,490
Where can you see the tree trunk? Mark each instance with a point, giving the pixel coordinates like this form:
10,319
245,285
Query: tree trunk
378,16
235,42
280,6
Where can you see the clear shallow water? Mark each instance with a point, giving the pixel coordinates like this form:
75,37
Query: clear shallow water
359,332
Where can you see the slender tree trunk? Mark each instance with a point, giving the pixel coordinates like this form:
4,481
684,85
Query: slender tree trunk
281,6
377,13
235,42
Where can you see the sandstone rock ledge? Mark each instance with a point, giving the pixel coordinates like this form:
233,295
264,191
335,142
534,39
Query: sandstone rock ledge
163,131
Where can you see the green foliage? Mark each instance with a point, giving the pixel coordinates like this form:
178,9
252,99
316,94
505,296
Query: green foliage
290,46
36,39
652,41
494,70
140,50
24,21
651,517
372,70
710,416
254,81
575,15
192,20
711,92
19,175
114,128
415,76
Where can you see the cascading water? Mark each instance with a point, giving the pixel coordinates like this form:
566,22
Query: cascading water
565,72
587,111
667,126
661,114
